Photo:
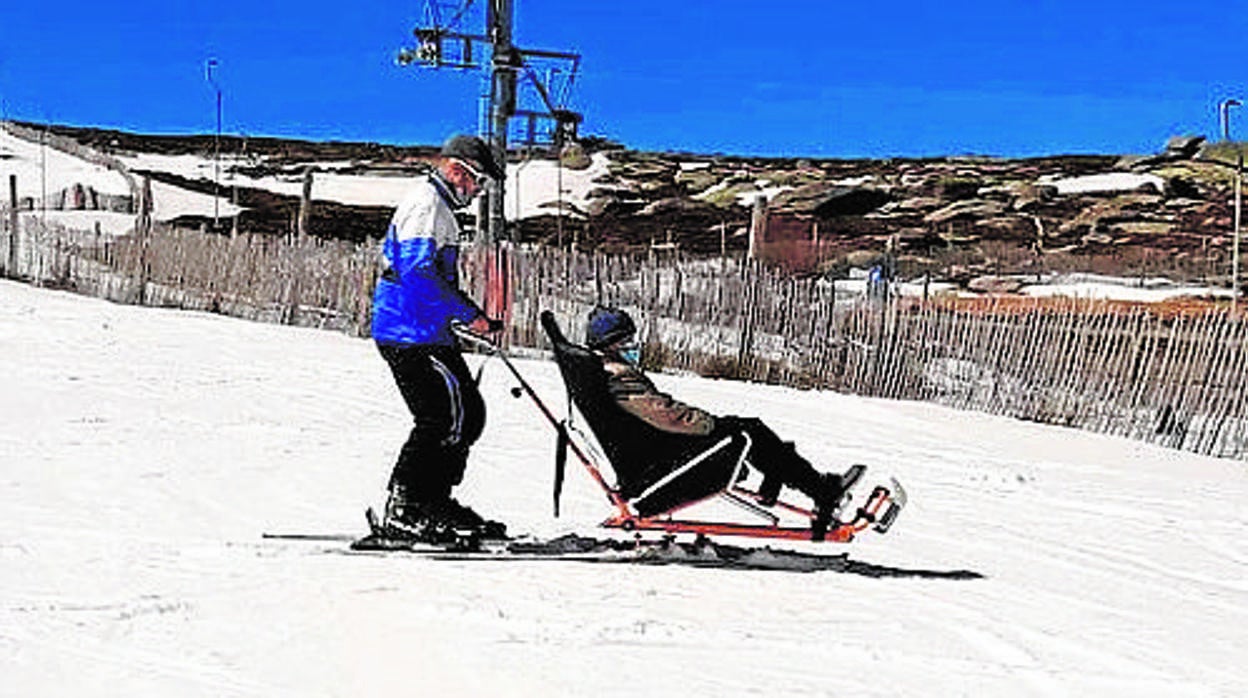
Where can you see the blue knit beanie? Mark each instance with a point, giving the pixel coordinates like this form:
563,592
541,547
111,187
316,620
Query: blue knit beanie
607,326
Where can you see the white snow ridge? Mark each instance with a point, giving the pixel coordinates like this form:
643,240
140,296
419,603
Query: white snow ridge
144,452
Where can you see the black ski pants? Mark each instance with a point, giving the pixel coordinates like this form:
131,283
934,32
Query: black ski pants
777,460
773,457
448,415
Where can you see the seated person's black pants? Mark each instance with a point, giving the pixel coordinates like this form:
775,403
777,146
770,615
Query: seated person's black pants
777,460
772,457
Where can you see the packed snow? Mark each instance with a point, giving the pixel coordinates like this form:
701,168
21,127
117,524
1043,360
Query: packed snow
146,451
536,187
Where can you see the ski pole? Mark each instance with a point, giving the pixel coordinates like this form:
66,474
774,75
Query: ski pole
484,342
464,333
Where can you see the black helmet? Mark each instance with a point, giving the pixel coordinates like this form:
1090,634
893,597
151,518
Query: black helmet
476,153
607,326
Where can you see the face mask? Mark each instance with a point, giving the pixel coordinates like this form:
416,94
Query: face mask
631,354
459,198
478,180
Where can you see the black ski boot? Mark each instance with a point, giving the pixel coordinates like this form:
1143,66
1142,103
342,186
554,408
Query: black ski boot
463,520
408,519
835,488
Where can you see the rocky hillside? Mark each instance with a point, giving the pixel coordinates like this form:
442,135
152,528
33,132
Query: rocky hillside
955,217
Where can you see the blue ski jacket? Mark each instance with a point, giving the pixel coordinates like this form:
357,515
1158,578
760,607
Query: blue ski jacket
418,295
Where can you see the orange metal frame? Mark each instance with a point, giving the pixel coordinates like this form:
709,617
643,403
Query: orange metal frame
625,519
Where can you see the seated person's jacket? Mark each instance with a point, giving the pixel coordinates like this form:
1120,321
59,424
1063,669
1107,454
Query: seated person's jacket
672,433
637,395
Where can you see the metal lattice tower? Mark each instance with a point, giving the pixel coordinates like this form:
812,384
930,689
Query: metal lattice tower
530,84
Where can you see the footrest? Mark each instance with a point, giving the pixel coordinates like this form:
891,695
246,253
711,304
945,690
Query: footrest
881,508
896,502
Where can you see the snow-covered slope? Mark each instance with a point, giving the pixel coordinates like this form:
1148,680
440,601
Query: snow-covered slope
533,186
144,452
42,171
42,168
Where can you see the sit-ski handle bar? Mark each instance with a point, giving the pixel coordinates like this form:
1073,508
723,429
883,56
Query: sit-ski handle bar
561,429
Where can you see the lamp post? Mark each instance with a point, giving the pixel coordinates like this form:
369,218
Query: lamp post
43,172
1224,110
216,145
1224,116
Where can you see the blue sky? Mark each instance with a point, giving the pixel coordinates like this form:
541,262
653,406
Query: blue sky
821,79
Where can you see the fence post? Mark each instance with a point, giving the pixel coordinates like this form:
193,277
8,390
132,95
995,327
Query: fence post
305,204
299,249
750,277
758,226
13,233
368,280
144,225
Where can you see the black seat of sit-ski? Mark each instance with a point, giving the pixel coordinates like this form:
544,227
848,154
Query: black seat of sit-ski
640,454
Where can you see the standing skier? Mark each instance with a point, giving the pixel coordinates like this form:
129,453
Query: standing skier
415,303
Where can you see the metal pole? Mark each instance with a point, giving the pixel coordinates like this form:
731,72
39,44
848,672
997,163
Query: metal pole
216,148
216,168
43,174
559,197
1225,109
1239,185
502,105
13,234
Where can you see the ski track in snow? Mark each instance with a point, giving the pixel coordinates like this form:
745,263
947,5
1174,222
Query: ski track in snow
145,452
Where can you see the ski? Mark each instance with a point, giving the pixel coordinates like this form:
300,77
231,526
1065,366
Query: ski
701,552
571,547
312,537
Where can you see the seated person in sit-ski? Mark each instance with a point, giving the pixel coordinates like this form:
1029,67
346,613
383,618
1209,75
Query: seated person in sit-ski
611,334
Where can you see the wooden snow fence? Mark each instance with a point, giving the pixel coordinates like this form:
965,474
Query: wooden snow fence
1175,379
309,282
